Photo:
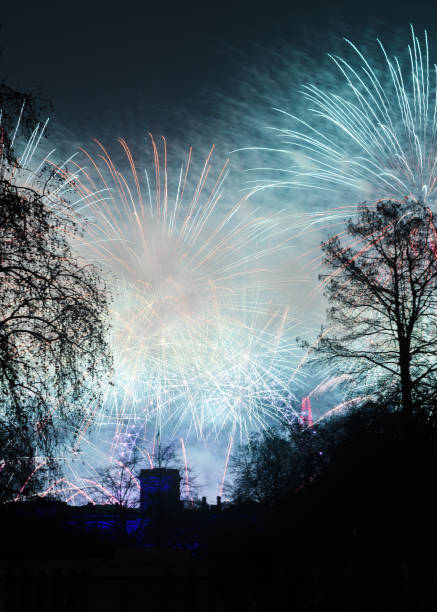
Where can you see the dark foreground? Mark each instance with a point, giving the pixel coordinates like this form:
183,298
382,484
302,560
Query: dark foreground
360,536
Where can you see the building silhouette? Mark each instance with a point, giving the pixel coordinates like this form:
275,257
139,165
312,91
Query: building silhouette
162,485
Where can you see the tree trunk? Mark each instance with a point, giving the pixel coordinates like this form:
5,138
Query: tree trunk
404,365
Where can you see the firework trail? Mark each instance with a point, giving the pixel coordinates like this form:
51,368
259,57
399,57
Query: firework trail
187,480
373,137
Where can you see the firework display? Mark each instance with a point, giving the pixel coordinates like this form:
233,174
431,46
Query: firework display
203,331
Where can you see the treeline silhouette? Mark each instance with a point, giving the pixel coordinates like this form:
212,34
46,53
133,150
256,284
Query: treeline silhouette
353,527
350,524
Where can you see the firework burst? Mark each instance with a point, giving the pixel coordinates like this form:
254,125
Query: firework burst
201,340
375,139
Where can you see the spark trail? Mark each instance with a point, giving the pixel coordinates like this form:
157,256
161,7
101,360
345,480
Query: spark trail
373,137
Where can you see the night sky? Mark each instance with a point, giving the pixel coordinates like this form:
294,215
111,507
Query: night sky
112,68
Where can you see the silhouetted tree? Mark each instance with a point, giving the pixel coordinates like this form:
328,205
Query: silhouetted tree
351,534
382,290
53,324
119,486
261,468
119,483
275,463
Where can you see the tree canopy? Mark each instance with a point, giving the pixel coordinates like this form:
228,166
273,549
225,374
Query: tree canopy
19,114
382,290
53,325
